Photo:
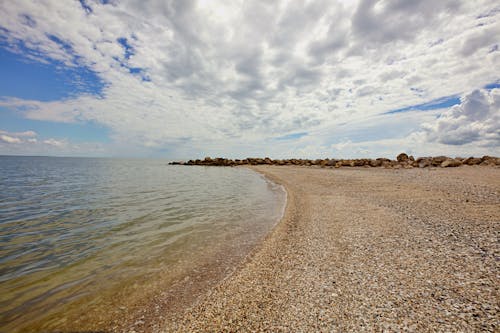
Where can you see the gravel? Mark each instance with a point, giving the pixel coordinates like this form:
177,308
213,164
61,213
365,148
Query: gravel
367,250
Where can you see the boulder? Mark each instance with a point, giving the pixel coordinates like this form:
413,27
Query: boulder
451,162
386,164
436,161
357,163
402,157
490,160
332,163
423,162
366,162
472,161
402,161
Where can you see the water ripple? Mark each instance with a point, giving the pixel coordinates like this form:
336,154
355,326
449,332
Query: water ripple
71,224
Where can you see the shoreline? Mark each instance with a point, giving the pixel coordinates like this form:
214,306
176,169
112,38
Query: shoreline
192,290
404,258
188,267
288,214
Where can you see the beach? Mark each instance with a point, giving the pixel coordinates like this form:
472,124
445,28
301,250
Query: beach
102,244
366,249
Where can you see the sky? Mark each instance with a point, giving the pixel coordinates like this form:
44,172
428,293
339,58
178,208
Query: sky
303,79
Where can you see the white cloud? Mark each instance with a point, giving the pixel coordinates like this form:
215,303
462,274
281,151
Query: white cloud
66,111
29,143
9,139
475,119
16,137
25,134
54,142
235,74
21,140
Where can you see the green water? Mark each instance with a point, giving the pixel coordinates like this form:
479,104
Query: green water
88,236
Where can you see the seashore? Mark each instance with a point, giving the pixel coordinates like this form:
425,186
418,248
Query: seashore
358,249
365,249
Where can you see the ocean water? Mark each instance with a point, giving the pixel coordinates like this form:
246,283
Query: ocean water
83,236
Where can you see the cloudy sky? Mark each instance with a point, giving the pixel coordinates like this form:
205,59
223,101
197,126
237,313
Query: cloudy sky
186,79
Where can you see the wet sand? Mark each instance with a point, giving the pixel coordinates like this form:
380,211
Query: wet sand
364,249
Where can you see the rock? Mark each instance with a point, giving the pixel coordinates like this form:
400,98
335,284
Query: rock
384,161
490,160
423,162
332,163
472,161
366,162
402,157
402,161
386,164
357,162
451,162
436,161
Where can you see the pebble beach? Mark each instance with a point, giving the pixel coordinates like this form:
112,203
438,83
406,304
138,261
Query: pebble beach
365,249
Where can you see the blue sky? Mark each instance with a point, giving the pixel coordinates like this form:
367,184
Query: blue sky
28,79
284,79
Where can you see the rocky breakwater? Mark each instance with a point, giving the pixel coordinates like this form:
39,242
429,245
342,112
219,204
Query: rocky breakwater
401,161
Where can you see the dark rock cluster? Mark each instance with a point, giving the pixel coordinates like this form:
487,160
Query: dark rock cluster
402,161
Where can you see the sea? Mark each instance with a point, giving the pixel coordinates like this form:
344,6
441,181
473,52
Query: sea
85,241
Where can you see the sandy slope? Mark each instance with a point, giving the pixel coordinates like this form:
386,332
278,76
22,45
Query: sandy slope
368,250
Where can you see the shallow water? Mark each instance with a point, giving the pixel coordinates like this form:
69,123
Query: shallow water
79,235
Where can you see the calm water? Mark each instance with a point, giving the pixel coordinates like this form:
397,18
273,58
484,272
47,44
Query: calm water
75,232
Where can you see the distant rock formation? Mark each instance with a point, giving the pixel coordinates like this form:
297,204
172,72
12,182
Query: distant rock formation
402,161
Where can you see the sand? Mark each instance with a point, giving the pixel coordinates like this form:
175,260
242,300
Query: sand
363,249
